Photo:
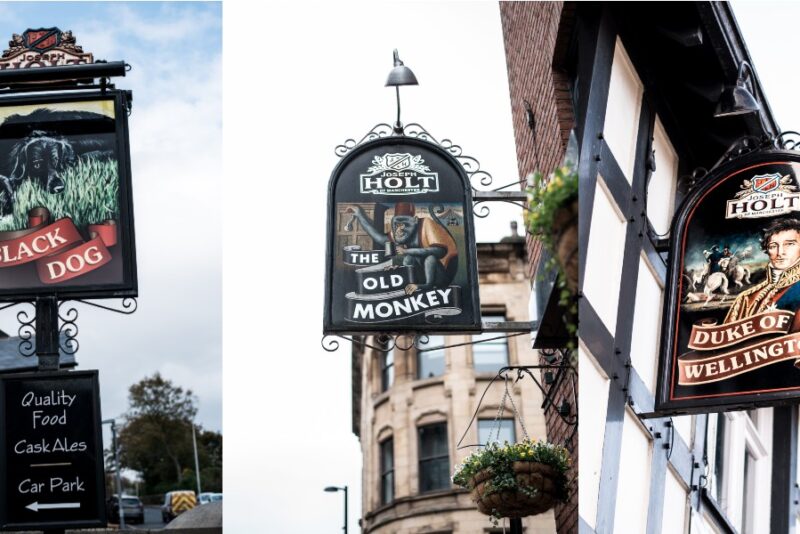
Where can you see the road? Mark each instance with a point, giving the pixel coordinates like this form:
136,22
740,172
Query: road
152,519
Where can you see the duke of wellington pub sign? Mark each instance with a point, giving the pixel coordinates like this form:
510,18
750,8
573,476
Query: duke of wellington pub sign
401,246
66,232
731,333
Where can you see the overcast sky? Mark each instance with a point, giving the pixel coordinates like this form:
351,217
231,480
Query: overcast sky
176,160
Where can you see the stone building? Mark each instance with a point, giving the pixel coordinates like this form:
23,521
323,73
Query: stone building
411,408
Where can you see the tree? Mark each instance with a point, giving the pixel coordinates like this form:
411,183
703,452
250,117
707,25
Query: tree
156,438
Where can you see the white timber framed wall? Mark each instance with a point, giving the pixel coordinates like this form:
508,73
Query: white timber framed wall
704,473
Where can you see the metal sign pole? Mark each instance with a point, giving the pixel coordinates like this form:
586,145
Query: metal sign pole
47,333
118,474
516,525
47,346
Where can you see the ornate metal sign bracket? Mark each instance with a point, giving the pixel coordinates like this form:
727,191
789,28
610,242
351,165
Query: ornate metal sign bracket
388,342
51,328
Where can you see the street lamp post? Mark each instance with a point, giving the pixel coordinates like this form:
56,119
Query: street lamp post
196,460
335,489
116,464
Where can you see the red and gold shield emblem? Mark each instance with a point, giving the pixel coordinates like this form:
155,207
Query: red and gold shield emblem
764,183
42,40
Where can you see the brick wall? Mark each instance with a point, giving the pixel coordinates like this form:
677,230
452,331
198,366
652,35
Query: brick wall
536,36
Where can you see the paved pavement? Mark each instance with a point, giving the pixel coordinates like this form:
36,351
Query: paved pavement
152,519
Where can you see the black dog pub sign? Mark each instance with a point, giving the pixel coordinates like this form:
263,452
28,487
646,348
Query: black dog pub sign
51,452
401,246
65,200
731,333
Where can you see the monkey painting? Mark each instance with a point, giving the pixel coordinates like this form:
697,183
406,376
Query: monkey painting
420,242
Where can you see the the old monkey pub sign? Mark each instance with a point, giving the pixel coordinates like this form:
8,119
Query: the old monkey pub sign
401,246
731,334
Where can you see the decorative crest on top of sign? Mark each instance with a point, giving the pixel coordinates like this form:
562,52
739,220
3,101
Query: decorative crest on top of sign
470,164
43,47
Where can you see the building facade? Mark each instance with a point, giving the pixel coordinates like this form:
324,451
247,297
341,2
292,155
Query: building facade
645,82
638,84
413,410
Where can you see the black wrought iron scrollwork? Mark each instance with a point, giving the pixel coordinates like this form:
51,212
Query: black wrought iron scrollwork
329,343
26,331
68,330
129,305
405,347
377,131
789,140
385,342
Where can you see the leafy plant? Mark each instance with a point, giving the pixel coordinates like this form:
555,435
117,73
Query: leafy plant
546,198
500,459
549,204
90,196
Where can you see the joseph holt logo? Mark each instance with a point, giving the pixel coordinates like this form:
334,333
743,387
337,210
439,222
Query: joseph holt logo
399,174
764,195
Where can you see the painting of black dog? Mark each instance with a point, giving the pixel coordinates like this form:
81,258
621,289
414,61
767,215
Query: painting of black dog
41,145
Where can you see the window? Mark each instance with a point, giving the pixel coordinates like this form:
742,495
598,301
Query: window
749,489
719,459
387,471
434,459
488,431
490,356
387,370
430,362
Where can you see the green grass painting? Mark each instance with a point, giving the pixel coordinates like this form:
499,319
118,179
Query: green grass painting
90,196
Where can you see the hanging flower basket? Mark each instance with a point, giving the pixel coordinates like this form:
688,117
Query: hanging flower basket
518,480
553,219
536,491
565,243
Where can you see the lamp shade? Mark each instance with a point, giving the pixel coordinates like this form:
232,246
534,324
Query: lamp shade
736,100
400,75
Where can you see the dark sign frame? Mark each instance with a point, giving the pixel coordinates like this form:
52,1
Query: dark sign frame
100,519
128,286
473,325
666,403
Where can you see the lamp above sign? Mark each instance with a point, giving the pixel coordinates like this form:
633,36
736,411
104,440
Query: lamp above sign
731,327
43,47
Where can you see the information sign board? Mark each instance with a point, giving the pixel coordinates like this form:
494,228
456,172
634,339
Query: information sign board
51,463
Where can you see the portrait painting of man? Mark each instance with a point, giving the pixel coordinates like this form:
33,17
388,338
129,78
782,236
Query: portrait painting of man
780,289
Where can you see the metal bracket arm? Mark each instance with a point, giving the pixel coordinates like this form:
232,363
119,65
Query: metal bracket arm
499,196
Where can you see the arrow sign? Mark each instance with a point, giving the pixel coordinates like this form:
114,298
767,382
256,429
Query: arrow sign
35,506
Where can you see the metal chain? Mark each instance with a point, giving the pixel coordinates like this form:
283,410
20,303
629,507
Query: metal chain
499,417
516,413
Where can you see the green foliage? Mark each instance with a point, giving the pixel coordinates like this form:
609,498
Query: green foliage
156,439
500,460
546,198
90,196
